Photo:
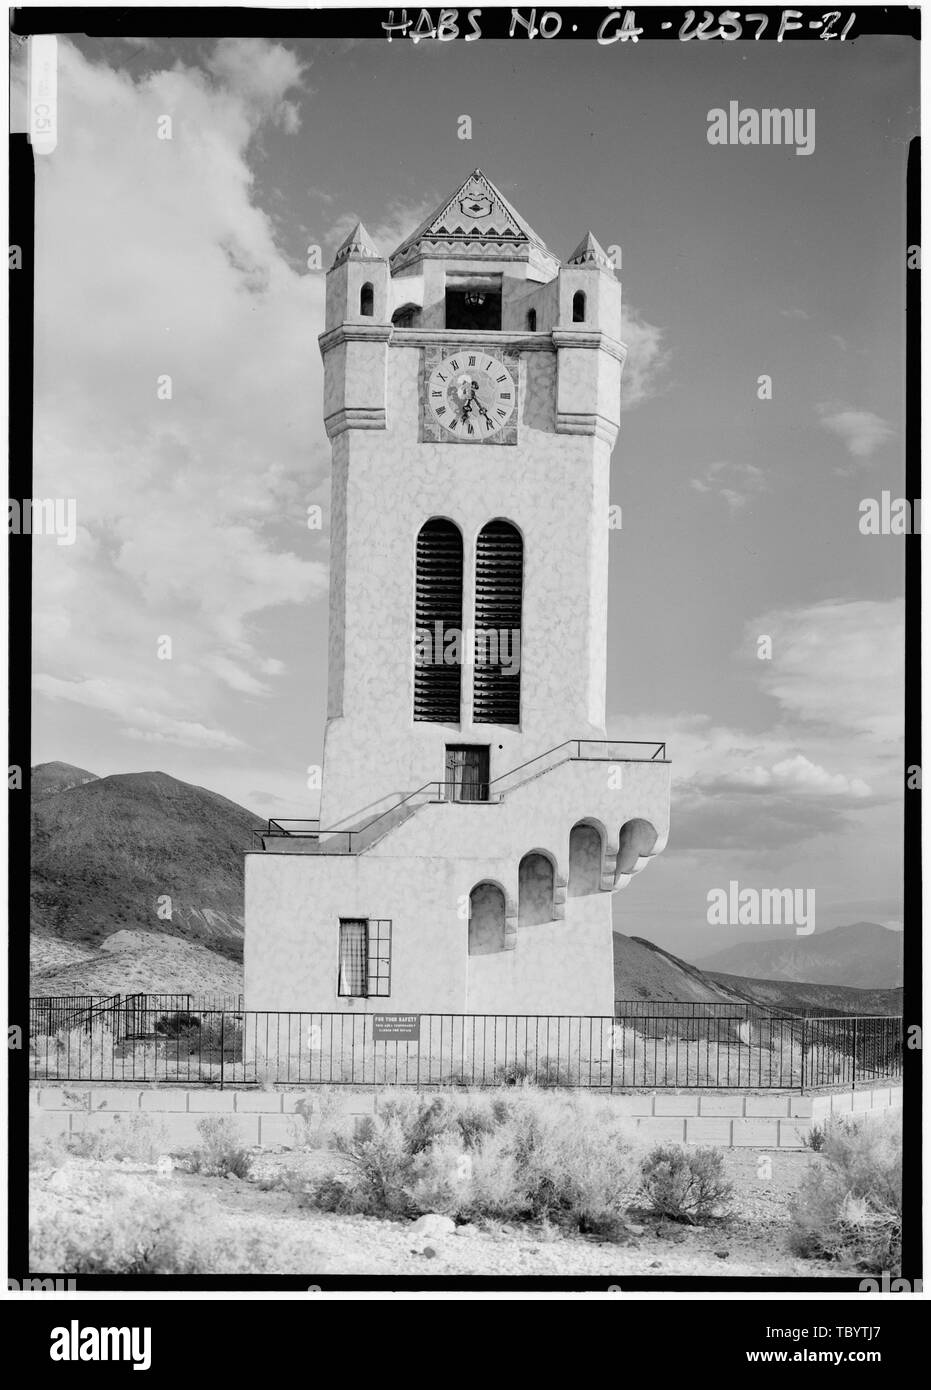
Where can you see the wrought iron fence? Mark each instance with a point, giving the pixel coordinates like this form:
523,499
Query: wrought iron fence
52,1014
129,1041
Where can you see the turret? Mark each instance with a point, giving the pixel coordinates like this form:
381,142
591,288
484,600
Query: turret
590,355
355,344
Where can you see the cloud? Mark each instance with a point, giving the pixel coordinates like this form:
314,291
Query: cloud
399,218
191,503
798,774
258,74
130,707
794,314
862,431
735,482
647,358
827,762
838,664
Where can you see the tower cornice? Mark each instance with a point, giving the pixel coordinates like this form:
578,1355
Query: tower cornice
590,338
354,333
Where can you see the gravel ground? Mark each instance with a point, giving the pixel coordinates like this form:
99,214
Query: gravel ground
751,1242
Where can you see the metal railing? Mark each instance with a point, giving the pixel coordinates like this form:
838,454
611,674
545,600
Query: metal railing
715,1050
340,841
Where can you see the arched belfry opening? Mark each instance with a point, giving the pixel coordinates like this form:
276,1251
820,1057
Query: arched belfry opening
578,307
367,300
499,578
438,620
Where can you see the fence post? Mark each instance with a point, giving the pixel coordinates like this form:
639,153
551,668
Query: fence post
804,1048
611,1036
222,1048
853,1083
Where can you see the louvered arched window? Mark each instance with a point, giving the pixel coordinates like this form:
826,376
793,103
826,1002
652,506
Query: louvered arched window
499,576
437,681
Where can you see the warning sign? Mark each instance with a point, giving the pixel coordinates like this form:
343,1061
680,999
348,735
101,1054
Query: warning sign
396,1027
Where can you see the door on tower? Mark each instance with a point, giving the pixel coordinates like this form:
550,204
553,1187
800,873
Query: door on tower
467,771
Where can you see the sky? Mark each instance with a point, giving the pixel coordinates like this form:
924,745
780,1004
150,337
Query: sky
188,258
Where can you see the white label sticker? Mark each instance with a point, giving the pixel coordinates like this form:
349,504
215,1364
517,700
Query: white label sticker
43,92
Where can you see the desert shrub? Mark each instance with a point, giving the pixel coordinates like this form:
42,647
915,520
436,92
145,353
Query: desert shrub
138,1137
202,1039
155,1233
557,1160
849,1207
528,1157
221,1151
685,1184
175,1025
815,1138
319,1118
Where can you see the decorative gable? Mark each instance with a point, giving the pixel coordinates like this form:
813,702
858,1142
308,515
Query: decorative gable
476,221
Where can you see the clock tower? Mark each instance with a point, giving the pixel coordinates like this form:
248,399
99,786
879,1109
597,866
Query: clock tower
470,800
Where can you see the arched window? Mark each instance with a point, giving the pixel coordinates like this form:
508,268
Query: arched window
438,618
499,577
585,854
531,320
367,300
535,890
637,838
578,307
486,920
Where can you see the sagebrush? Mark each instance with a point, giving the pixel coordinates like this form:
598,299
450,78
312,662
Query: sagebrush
849,1205
685,1184
525,1156
221,1152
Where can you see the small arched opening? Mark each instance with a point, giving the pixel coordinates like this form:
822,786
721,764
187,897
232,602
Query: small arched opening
578,307
367,300
586,849
531,320
486,919
636,839
535,886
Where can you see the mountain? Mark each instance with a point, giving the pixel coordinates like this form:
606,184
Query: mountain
106,851
829,999
50,778
131,962
643,970
863,955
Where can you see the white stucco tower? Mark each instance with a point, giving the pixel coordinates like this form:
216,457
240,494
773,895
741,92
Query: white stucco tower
474,822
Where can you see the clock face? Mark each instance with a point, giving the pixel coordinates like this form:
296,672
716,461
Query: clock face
472,395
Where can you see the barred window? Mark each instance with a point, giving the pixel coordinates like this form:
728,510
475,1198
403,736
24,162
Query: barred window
364,958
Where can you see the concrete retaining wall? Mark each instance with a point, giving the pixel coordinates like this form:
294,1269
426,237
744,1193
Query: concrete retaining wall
270,1118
